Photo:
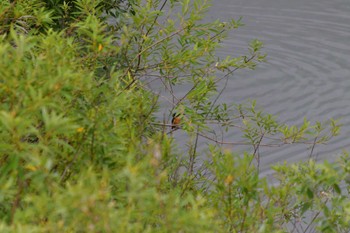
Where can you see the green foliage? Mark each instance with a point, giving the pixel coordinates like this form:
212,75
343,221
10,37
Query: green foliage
24,16
82,147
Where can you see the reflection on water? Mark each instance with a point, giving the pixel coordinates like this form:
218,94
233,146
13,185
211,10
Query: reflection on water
307,73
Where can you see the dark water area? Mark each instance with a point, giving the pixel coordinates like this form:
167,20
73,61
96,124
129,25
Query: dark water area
307,73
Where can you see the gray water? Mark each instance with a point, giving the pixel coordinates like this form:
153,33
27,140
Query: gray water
307,69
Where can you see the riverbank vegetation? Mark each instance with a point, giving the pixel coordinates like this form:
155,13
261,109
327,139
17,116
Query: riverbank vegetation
87,91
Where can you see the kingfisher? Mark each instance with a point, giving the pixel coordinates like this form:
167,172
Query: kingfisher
176,121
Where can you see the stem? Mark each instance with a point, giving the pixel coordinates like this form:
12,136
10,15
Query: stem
15,204
313,147
148,31
230,208
193,154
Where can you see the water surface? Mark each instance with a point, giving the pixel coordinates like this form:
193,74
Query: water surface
307,72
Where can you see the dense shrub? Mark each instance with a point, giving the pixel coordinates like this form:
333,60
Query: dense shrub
83,148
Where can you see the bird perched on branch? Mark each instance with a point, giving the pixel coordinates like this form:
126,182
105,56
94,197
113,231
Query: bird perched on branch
176,121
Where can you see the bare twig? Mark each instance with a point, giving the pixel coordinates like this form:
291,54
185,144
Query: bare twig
256,149
313,147
314,218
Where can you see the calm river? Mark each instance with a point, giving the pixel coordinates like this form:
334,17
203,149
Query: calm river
308,67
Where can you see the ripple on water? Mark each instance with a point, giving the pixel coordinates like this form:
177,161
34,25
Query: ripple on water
307,73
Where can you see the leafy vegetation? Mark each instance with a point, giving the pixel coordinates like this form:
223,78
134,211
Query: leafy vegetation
87,91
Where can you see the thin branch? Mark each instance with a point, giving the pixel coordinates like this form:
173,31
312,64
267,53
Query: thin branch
313,147
158,42
170,90
146,34
68,166
155,19
193,154
256,148
314,218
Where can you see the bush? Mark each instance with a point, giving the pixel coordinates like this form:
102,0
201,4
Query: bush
82,146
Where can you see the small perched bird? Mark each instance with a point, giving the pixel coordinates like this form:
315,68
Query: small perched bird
175,121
